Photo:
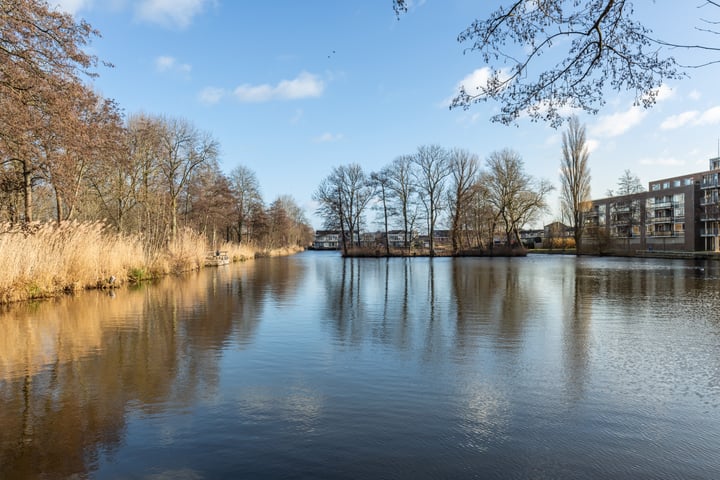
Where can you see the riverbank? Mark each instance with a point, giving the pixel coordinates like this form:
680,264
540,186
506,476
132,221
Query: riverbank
48,260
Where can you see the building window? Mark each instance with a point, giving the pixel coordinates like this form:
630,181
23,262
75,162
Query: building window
688,181
666,185
655,187
676,183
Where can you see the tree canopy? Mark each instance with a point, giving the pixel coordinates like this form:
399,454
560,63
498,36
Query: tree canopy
544,56
67,153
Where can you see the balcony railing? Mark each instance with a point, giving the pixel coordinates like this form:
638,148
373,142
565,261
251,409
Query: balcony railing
656,220
709,232
710,184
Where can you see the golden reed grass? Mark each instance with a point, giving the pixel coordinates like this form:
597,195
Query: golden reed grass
46,259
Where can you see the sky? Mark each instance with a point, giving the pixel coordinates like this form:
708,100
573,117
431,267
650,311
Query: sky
291,89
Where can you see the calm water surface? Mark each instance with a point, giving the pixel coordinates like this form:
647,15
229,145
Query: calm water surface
317,367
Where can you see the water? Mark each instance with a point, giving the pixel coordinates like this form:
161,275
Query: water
317,367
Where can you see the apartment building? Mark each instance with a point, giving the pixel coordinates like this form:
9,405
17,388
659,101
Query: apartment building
710,207
675,214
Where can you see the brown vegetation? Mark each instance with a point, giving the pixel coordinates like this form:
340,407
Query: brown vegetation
116,198
46,260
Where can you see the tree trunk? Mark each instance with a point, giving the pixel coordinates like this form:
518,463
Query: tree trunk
27,190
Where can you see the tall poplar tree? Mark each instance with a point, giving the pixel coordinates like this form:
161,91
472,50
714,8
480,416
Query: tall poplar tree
574,177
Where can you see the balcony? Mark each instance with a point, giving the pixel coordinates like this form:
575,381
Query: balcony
710,232
668,233
709,184
656,220
708,201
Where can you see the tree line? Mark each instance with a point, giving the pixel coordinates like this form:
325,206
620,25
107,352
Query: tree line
420,191
67,153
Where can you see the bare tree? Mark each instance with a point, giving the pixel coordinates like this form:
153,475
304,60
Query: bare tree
41,65
381,182
288,224
481,214
430,175
402,191
596,43
574,177
627,184
183,149
246,188
464,169
516,196
144,176
343,197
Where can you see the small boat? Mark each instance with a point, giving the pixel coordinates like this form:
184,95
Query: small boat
216,258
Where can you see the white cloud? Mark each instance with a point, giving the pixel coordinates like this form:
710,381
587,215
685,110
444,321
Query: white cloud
167,63
694,95
413,4
664,92
618,123
164,63
211,95
592,145
677,121
473,83
170,13
710,116
328,137
305,85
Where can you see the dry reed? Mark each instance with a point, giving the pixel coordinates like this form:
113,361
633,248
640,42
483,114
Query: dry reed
44,260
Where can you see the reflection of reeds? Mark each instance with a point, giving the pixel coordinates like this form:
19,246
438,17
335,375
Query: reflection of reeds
43,260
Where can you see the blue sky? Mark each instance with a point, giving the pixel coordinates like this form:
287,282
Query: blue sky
293,88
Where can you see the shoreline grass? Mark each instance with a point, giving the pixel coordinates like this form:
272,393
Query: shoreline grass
44,260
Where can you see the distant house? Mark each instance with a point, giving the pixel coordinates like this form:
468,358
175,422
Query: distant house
441,239
326,240
396,238
331,240
532,238
557,230
369,239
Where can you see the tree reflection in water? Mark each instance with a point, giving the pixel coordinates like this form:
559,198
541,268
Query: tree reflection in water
71,368
315,364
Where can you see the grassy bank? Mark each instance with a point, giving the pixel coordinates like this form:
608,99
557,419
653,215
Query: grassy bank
45,260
